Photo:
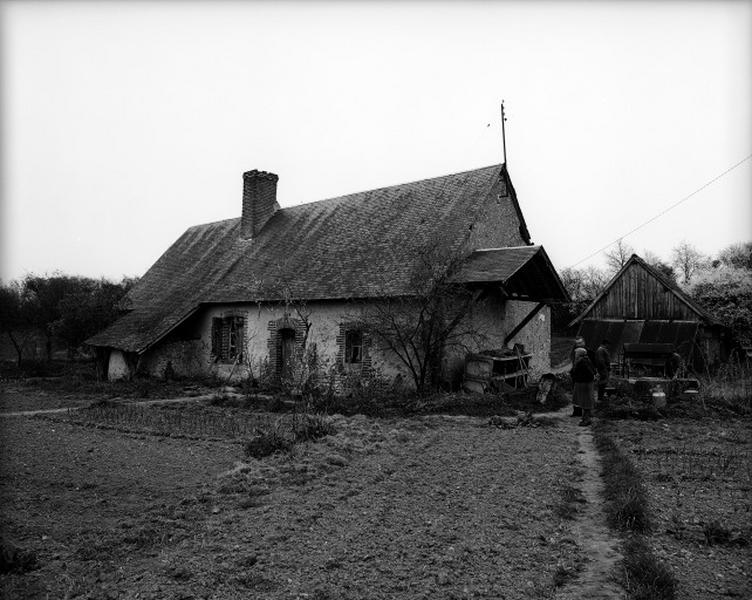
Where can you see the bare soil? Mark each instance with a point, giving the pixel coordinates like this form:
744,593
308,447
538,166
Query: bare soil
427,507
75,391
16,398
699,479
126,504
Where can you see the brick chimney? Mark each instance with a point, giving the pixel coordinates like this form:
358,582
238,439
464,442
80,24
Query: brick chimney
259,201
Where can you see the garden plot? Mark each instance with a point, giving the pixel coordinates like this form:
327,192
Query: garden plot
699,479
135,505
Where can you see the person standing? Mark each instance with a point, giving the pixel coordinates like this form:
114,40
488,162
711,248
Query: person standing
603,366
579,342
583,376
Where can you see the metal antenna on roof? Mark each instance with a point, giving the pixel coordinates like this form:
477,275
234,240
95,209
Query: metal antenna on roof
503,132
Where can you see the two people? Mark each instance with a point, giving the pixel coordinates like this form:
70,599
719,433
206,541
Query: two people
584,374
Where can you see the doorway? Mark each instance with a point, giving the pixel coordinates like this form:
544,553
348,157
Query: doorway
286,352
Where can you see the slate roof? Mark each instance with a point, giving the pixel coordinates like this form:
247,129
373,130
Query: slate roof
524,272
354,246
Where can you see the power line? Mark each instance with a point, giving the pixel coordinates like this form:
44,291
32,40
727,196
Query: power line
664,211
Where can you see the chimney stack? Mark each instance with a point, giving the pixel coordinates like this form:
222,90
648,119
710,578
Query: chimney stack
259,201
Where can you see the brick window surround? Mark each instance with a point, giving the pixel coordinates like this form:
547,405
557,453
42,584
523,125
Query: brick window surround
274,343
348,357
228,338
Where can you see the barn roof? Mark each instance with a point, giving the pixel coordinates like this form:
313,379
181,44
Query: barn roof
668,285
361,245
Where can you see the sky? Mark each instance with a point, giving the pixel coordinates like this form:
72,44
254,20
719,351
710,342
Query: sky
123,124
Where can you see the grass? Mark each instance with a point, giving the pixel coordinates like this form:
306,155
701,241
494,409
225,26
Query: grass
265,434
730,388
274,439
267,443
626,497
310,428
645,577
190,421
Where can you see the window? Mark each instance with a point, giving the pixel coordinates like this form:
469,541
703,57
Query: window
227,339
353,346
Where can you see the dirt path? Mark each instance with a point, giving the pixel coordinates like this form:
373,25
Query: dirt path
50,411
596,581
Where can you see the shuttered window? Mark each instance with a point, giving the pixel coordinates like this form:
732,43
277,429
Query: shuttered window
227,338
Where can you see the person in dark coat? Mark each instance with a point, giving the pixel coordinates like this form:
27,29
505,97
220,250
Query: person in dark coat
583,376
603,366
579,342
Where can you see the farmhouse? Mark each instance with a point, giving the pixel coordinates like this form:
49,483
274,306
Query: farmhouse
646,317
235,297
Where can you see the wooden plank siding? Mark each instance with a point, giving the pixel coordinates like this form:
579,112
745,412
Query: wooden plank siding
638,294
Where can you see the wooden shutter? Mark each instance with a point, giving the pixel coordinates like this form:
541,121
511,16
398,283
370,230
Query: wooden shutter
216,338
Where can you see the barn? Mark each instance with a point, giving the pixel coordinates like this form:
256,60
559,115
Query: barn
647,318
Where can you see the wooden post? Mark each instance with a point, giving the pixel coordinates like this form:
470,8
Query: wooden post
524,322
503,132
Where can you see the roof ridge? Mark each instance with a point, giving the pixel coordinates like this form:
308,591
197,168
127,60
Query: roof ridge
507,248
350,194
394,185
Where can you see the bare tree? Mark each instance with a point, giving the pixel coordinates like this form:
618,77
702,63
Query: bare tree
583,286
593,282
435,317
655,261
686,259
618,255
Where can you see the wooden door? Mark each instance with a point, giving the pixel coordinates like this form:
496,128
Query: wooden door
286,352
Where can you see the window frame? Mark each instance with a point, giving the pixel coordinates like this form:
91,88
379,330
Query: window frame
349,346
228,338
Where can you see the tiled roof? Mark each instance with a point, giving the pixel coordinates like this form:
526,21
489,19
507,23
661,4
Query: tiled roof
356,246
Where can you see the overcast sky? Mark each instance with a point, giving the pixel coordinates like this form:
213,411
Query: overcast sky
125,123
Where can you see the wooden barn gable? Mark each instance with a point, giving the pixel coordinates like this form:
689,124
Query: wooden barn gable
639,291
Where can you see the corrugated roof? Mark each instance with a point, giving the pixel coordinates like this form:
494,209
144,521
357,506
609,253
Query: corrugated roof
356,246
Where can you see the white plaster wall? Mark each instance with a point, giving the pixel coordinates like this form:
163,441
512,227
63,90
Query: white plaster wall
194,357
117,367
493,319
187,358
535,336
